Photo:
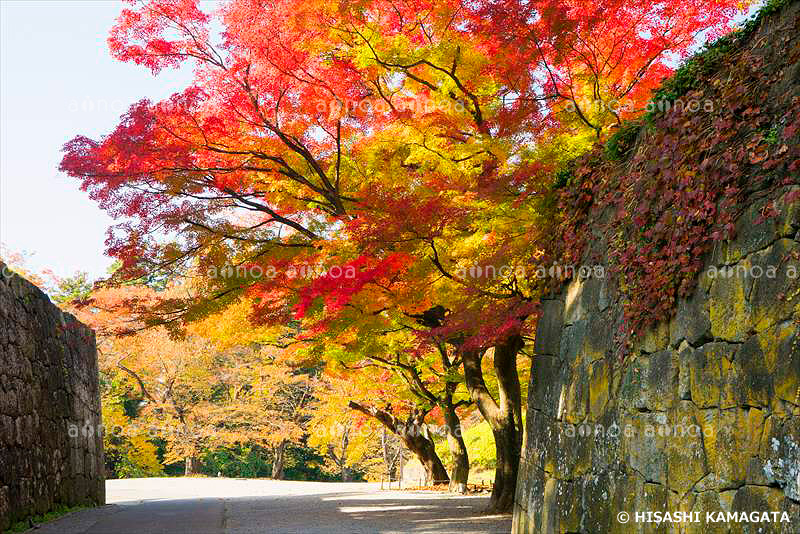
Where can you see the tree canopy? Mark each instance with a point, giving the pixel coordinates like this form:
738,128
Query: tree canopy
367,184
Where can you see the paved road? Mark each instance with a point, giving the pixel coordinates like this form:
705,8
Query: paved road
233,506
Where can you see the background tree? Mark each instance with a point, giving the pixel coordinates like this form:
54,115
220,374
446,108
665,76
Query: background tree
349,444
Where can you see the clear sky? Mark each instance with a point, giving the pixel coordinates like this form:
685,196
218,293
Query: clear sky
57,80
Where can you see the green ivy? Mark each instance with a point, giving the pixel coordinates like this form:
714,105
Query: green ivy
709,59
623,140
563,178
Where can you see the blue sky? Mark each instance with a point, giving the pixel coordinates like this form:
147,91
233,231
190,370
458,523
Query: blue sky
57,81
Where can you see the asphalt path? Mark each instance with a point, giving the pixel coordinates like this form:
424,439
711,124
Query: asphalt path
236,506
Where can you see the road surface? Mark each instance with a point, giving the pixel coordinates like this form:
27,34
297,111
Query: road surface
236,506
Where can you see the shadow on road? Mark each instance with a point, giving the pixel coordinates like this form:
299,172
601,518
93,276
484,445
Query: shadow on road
365,513
346,512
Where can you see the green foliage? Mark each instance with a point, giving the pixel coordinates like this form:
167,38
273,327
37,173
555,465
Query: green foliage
55,513
174,469
480,447
623,140
300,463
709,59
305,463
688,77
772,136
73,288
127,466
563,178
480,444
129,453
238,462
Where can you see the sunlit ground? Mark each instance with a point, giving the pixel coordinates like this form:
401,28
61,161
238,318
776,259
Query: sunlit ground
220,505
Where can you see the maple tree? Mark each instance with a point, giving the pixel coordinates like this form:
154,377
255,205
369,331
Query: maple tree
172,377
417,376
403,142
347,442
128,452
393,402
200,390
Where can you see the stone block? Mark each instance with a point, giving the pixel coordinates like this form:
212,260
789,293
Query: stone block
581,298
747,381
573,339
758,499
548,329
37,465
597,343
550,512
729,312
568,504
653,497
685,358
749,236
660,384
547,382
5,507
560,448
655,338
707,502
604,453
692,322
686,457
599,388
780,450
727,431
788,220
642,448
775,294
705,373
632,396
707,405
602,493
574,401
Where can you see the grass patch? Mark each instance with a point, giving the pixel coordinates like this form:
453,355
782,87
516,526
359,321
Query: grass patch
55,513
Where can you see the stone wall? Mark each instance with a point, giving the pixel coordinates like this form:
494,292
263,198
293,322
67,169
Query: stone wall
702,415
48,382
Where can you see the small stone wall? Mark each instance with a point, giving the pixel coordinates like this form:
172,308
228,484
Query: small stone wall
48,383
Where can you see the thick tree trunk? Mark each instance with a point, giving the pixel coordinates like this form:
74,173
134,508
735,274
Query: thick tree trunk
504,415
415,437
278,461
459,474
192,466
425,450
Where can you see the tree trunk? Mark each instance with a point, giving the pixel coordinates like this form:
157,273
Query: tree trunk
459,474
388,467
345,472
278,460
425,450
192,466
504,415
391,452
414,434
